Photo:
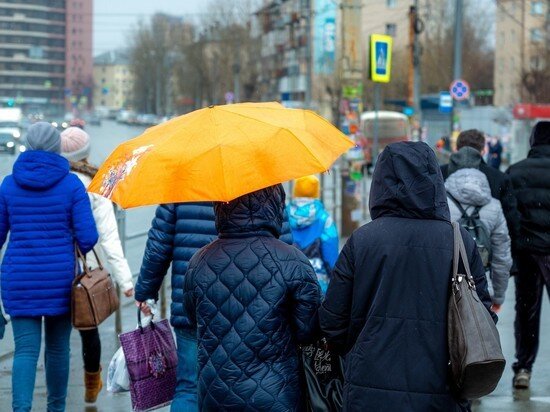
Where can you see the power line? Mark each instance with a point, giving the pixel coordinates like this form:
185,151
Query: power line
502,7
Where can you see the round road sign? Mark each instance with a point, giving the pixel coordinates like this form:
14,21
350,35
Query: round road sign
460,89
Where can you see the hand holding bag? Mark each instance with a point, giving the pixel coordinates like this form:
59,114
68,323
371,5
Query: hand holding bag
477,362
94,296
151,359
323,377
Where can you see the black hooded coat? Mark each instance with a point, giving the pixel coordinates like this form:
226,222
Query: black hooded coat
254,299
386,305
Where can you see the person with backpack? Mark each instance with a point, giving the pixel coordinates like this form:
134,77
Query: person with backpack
481,215
313,229
531,182
387,303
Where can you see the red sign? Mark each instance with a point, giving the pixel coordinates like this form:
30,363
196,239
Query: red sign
532,111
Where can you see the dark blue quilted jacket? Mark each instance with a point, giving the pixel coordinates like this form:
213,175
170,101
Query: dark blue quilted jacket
254,299
45,209
178,231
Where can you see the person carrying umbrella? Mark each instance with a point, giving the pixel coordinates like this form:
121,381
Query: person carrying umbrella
254,299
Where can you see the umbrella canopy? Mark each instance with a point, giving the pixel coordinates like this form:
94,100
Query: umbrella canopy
218,154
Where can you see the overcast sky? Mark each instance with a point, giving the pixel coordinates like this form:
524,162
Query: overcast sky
114,19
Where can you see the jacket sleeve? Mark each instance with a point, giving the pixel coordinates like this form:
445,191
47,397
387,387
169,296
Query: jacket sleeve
158,253
510,208
4,220
478,272
335,312
83,223
329,243
109,241
286,233
501,262
189,299
306,297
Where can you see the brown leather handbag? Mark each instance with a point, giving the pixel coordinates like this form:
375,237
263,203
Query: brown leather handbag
477,362
94,295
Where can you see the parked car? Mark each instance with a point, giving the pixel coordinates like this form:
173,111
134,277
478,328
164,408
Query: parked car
8,141
147,119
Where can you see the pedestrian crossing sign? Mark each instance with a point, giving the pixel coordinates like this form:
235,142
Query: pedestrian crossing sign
380,58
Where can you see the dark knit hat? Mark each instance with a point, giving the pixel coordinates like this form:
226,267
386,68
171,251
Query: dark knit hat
540,134
43,136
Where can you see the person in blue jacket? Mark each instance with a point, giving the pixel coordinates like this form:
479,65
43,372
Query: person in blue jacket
178,231
45,210
313,230
254,299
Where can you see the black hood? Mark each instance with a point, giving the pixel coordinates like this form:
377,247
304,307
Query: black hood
541,134
407,182
260,212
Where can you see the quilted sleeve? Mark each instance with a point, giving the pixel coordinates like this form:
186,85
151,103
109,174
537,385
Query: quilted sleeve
306,294
158,253
286,232
4,221
335,312
83,222
501,262
478,272
189,301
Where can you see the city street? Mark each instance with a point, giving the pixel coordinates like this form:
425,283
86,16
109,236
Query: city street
104,139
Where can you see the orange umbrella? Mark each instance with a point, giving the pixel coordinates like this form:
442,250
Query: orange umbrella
218,154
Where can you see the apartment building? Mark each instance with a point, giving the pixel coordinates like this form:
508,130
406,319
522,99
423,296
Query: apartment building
46,53
113,80
521,36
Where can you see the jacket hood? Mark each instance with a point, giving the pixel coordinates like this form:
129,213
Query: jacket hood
540,134
303,212
39,170
407,182
467,157
469,187
254,213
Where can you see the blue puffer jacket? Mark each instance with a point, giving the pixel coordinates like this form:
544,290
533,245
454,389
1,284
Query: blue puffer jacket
45,209
178,231
254,299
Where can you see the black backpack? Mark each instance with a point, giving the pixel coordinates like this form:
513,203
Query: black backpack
475,227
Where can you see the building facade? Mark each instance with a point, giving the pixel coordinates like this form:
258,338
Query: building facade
521,47
113,80
45,54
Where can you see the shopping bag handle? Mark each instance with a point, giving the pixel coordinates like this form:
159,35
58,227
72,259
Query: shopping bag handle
139,319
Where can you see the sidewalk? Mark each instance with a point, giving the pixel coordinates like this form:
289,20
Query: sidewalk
107,402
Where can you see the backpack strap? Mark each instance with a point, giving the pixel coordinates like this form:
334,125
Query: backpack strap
457,203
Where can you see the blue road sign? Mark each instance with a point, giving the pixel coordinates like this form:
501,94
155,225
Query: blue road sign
460,89
445,102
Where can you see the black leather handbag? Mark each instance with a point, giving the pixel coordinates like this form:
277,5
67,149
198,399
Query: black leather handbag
323,378
477,362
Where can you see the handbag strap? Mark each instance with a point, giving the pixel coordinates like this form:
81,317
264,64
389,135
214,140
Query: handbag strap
79,256
460,254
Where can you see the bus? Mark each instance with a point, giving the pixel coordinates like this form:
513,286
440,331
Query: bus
392,127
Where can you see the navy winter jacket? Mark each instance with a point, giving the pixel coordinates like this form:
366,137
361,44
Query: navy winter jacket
45,209
178,231
254,299
386,305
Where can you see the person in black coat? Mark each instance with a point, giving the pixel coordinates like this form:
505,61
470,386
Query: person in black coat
386,305
178,231
531,181
471,145
254,299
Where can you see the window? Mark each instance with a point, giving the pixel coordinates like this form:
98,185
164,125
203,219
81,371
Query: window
537,8
391,4
537,36
391,29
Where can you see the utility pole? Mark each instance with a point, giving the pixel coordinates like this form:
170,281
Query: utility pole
237,82
418,29
410,74
309,38
457,70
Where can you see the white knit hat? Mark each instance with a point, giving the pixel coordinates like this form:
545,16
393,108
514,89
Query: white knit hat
75,144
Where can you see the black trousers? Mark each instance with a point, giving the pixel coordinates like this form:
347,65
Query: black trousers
91,350
533,275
